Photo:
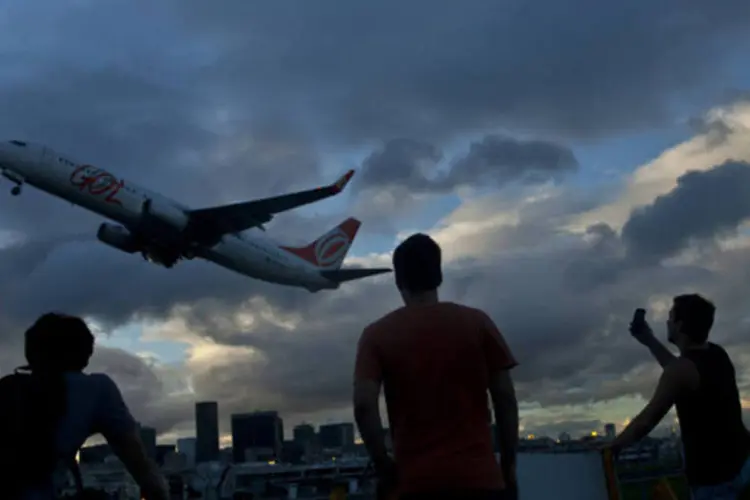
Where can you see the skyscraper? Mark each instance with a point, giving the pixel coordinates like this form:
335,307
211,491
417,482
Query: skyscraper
304,434
206,431
337,435
259,433
148,436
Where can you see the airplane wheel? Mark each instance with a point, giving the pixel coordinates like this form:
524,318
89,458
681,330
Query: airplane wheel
16,190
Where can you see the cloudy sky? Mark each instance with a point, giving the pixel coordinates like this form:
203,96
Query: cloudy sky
576,160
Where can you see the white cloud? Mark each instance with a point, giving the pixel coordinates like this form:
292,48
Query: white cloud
659,176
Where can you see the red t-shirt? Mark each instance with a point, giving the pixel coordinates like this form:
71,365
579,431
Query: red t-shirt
435,362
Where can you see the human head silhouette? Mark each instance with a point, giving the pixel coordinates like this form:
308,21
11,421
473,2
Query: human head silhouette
690,320
417,265
58,342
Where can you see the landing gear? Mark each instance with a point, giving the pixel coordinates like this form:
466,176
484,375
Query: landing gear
15,179
162,259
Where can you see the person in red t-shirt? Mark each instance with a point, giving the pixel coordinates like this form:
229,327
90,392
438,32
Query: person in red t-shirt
436,360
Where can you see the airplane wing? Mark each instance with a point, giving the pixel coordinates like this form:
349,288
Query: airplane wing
238,217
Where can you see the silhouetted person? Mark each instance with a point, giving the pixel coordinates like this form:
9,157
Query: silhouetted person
436,361
49,408
701,383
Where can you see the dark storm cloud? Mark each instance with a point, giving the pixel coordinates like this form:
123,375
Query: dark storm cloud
236,102
401,162
701,206
504,159
495,160
434,68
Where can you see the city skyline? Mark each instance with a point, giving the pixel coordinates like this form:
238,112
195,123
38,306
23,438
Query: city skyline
568,158
306,431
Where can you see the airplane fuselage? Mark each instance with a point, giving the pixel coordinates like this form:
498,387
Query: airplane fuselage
122,201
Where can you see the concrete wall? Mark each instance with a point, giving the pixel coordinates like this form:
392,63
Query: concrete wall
561,476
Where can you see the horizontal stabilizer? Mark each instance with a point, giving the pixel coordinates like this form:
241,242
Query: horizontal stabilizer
342,275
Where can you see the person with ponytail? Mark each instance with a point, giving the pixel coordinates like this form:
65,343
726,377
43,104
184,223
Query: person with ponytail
49,408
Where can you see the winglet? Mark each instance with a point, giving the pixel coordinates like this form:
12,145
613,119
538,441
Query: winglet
340,184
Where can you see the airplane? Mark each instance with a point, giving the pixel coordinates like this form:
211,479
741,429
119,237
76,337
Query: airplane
165,231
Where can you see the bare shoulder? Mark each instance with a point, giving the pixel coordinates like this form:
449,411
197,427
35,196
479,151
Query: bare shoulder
683,372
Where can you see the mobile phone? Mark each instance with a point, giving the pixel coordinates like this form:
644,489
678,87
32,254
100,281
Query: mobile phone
639,316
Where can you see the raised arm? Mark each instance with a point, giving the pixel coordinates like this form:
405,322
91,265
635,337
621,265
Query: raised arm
642,333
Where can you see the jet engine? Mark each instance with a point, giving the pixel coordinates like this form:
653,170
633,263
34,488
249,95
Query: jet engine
117,237
164,216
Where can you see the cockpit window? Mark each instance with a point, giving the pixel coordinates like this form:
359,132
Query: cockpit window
19,143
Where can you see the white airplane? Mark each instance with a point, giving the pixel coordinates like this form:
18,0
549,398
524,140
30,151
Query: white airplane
164,231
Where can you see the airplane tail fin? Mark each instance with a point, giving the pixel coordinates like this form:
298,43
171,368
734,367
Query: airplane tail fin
328,251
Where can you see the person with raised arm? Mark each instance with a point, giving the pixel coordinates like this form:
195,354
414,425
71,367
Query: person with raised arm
701,383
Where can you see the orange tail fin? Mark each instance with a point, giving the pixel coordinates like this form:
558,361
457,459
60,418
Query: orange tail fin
328,251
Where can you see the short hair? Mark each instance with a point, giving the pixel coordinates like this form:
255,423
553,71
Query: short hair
417,264
696,315
58,342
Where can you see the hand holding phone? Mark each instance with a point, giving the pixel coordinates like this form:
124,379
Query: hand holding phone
639,328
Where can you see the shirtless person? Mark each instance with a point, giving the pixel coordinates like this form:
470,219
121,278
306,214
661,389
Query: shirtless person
701,383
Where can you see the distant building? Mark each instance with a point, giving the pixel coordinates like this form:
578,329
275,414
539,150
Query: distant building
340,436
186,447
293,452
162,450
564,437
175,460
148,436
257,436
206,431
610,431
304,434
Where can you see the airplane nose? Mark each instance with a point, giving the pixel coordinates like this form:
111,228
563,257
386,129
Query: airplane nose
13,151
